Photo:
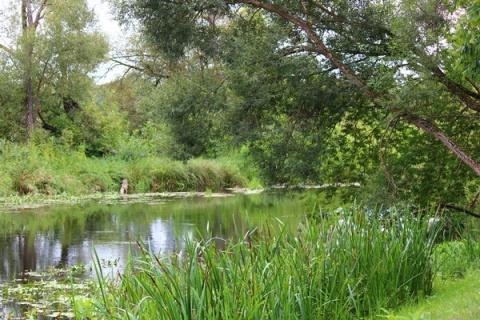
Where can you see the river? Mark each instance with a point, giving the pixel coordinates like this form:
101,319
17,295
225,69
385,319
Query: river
61,236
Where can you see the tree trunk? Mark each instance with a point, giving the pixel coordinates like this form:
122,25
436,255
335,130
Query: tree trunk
28,102
27,23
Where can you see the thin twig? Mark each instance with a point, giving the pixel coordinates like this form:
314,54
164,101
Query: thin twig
474,200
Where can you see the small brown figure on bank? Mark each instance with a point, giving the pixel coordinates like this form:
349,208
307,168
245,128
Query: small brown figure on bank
124,187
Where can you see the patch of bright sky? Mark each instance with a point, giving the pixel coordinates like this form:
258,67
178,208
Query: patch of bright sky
116,36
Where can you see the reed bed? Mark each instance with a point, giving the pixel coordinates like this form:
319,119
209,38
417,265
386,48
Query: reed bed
346,269
52,170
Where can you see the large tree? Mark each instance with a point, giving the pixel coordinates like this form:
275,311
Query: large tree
402,56
54,47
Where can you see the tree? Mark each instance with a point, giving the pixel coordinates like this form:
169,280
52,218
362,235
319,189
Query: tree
54,51
398,55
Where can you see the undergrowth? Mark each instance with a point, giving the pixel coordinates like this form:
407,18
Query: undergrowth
45,168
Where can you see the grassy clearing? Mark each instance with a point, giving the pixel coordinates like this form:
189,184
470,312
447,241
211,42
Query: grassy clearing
348,269
451,299
53,170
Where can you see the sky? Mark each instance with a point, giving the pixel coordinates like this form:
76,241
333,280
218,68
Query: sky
102,11
106,20
111,28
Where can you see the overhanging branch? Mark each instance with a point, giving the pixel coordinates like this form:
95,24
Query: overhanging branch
385,102
457,208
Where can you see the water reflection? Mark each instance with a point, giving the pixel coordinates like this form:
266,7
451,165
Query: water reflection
62,236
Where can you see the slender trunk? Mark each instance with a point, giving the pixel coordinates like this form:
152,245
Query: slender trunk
423,125
28,102
27,24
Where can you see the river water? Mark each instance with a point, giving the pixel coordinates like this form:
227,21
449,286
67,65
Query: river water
65,235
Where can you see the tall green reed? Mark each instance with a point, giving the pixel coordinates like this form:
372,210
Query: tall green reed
324,270
47,168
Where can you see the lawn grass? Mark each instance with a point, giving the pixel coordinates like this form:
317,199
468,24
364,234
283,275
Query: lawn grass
451,299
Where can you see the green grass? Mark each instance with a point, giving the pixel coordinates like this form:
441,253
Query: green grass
321,271
50,169
450,300
456,290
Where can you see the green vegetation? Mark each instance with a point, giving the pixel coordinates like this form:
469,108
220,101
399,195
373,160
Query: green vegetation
221,94
333,269
54,170
348,264
49,293
298,93
386,95
452,299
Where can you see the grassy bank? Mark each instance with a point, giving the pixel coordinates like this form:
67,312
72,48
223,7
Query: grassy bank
347,269
53,170
455,292
457,298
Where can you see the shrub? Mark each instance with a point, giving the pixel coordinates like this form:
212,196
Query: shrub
450,259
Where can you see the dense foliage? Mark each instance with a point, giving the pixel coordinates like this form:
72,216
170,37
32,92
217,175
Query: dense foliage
327,270
43,169
321,91
308,92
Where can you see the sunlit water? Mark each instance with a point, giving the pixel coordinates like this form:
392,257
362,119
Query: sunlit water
63,236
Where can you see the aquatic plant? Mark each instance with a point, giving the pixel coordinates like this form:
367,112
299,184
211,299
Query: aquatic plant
321,271
48,294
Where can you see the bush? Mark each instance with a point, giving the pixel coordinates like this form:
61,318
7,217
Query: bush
451,259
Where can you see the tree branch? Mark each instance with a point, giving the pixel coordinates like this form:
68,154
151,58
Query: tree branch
477,89
474,200
460,209
385,102
128,65
40,14
383,161
299,49
47,126
442,137
336,17
6,49
470,99
318,42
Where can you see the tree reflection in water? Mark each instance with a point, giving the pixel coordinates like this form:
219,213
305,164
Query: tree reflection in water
63,236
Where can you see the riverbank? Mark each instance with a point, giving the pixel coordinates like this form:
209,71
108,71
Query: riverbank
32,201
55,170
450,299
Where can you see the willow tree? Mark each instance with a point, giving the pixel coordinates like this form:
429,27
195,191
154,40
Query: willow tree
53,48
402,56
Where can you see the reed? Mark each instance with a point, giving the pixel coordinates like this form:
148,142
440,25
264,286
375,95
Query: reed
324,270
50,169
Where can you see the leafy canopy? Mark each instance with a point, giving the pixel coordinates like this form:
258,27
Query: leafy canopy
337,91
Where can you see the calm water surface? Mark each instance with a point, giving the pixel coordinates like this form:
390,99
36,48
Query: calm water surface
62,236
